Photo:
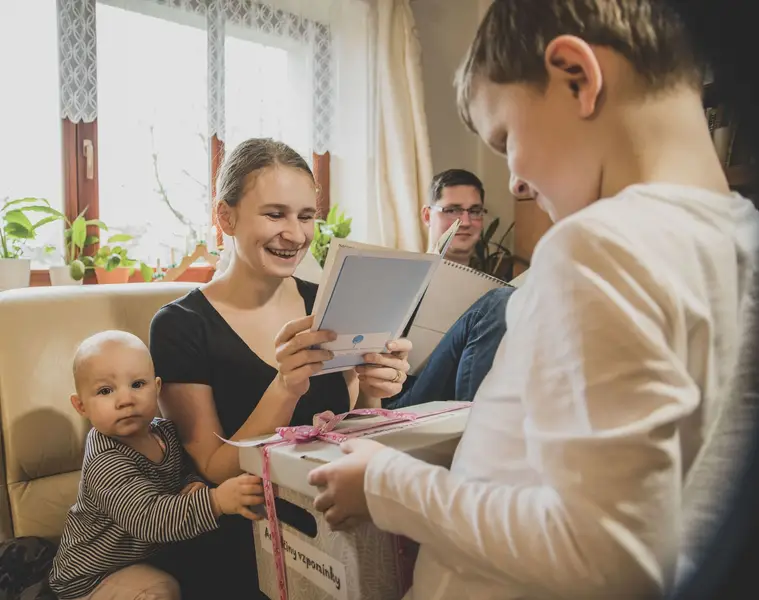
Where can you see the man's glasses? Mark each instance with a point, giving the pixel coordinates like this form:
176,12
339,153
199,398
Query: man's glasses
476,213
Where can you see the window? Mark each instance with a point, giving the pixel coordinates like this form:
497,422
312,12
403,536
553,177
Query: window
266,93
30,154
153,117
152,131
125,107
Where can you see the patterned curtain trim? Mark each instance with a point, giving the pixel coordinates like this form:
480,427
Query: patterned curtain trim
78,56
216,87
77,49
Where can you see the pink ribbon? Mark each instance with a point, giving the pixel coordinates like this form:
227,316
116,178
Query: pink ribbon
323,430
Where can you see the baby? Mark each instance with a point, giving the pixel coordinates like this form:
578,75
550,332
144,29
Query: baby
138,491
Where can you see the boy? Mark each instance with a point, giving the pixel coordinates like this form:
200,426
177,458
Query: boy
620,345
137,491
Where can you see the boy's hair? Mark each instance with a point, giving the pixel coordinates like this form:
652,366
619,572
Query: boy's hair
511,42
453,178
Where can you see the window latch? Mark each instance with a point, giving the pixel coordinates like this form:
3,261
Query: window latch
89,157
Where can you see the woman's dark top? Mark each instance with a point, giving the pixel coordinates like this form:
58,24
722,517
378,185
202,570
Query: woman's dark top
192,343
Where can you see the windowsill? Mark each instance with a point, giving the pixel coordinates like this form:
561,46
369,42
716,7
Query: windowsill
199,274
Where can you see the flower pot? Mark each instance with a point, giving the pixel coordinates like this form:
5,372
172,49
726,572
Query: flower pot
14,273
118,275
61,275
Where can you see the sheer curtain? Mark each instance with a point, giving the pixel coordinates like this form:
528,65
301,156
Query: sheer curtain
381,159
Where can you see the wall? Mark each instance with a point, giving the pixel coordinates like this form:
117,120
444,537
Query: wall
446,28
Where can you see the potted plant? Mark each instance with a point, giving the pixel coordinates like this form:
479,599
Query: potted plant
335,225
494,258
113,265
75,240
16,230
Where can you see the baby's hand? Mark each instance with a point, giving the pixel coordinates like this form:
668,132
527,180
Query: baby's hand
191,487
236,495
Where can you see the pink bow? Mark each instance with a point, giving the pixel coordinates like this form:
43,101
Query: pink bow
325,423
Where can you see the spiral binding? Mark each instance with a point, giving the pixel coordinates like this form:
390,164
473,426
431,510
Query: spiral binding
461,267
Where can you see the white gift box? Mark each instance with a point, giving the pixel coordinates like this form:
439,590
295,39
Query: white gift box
362,564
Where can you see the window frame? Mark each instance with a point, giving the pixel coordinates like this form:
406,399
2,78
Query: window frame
81,191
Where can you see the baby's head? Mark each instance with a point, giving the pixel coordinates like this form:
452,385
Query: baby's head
116,386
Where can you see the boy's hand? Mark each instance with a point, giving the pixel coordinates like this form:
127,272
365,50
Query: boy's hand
341,484
191,487
236,495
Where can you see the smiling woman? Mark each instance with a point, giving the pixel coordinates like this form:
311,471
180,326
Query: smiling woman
236,356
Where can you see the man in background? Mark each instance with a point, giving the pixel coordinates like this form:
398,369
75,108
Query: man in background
456,194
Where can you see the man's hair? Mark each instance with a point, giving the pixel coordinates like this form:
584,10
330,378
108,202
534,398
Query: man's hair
451,178
510,44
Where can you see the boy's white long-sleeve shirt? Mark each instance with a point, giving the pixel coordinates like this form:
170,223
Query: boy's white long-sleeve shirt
620,348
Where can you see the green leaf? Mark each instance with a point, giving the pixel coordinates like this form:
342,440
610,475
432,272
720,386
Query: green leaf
332,215
343,229
114,260
97,223
91,240
49,248
146,271
45,221
15,230
120,237
18,216
44,209
490,230
22,201
79,232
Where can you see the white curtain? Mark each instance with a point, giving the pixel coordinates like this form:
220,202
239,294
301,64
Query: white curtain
404,164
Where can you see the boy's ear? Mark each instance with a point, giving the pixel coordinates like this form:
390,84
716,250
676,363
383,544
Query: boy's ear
158,384
78,405
571,62
225,216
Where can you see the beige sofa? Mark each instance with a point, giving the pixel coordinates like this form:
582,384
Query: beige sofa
42,435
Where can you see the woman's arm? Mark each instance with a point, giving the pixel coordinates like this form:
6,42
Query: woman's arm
192,408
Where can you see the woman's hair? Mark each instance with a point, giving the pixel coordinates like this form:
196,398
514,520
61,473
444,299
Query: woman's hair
249,157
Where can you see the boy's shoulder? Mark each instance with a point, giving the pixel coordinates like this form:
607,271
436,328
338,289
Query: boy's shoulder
646,216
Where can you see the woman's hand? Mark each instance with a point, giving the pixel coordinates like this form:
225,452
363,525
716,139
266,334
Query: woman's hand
297,361
385,375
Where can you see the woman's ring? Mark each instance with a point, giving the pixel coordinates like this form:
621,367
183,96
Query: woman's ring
397,377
